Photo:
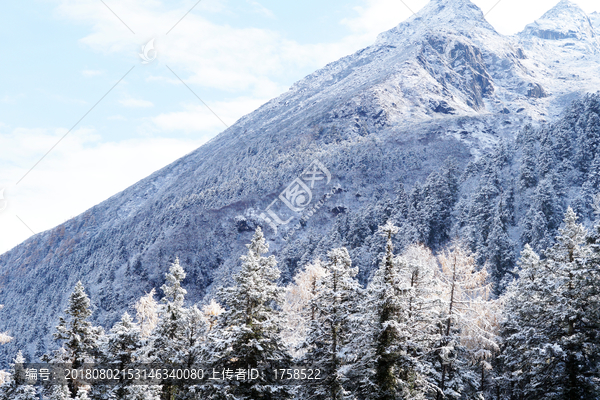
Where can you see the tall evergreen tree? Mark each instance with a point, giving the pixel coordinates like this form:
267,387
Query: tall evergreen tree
249,332
168,342
389,367
499,252
551,326
543,217
123,348
573,299
334,326
519,326
80,338
15,389
528,169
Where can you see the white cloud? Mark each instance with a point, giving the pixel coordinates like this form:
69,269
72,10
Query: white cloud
136,103
80,172
117,117
260,9
205,53
197,118
376,16
88,73
10,99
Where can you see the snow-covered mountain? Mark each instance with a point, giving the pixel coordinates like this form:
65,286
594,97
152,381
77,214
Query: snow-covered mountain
442,84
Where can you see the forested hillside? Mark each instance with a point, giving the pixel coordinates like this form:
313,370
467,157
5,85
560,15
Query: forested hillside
443,127
425,327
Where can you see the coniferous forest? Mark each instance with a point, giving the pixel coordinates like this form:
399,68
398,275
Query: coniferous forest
425,327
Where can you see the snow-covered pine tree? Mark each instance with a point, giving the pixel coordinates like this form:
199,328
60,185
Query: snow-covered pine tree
521,307
528,170
550,328
499,252
334,325
13,388
571,299
59,392
415,224
121,343
168,341
543,217
546,157
249,331
80,338
424,297
388,367
481,215
195,329
593,292
432,204
122,348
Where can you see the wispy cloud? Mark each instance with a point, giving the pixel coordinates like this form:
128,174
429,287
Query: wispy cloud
213,55
136,103
83,171
10,99
260,9
196,118
88,73
376,16
117,118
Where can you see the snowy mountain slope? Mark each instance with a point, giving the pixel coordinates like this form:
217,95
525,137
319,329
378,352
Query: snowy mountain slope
443,83
565,21
563,48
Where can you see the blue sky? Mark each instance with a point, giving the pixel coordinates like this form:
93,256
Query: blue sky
60,57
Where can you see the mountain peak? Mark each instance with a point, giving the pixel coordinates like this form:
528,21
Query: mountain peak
460,16
566,20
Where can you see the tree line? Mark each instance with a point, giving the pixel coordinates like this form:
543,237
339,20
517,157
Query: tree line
426,326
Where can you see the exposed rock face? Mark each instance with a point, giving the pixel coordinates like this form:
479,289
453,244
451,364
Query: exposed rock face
536,91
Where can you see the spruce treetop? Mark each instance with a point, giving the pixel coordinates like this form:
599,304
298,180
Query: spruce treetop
258,245
79,303
571,234
172,289
388,230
